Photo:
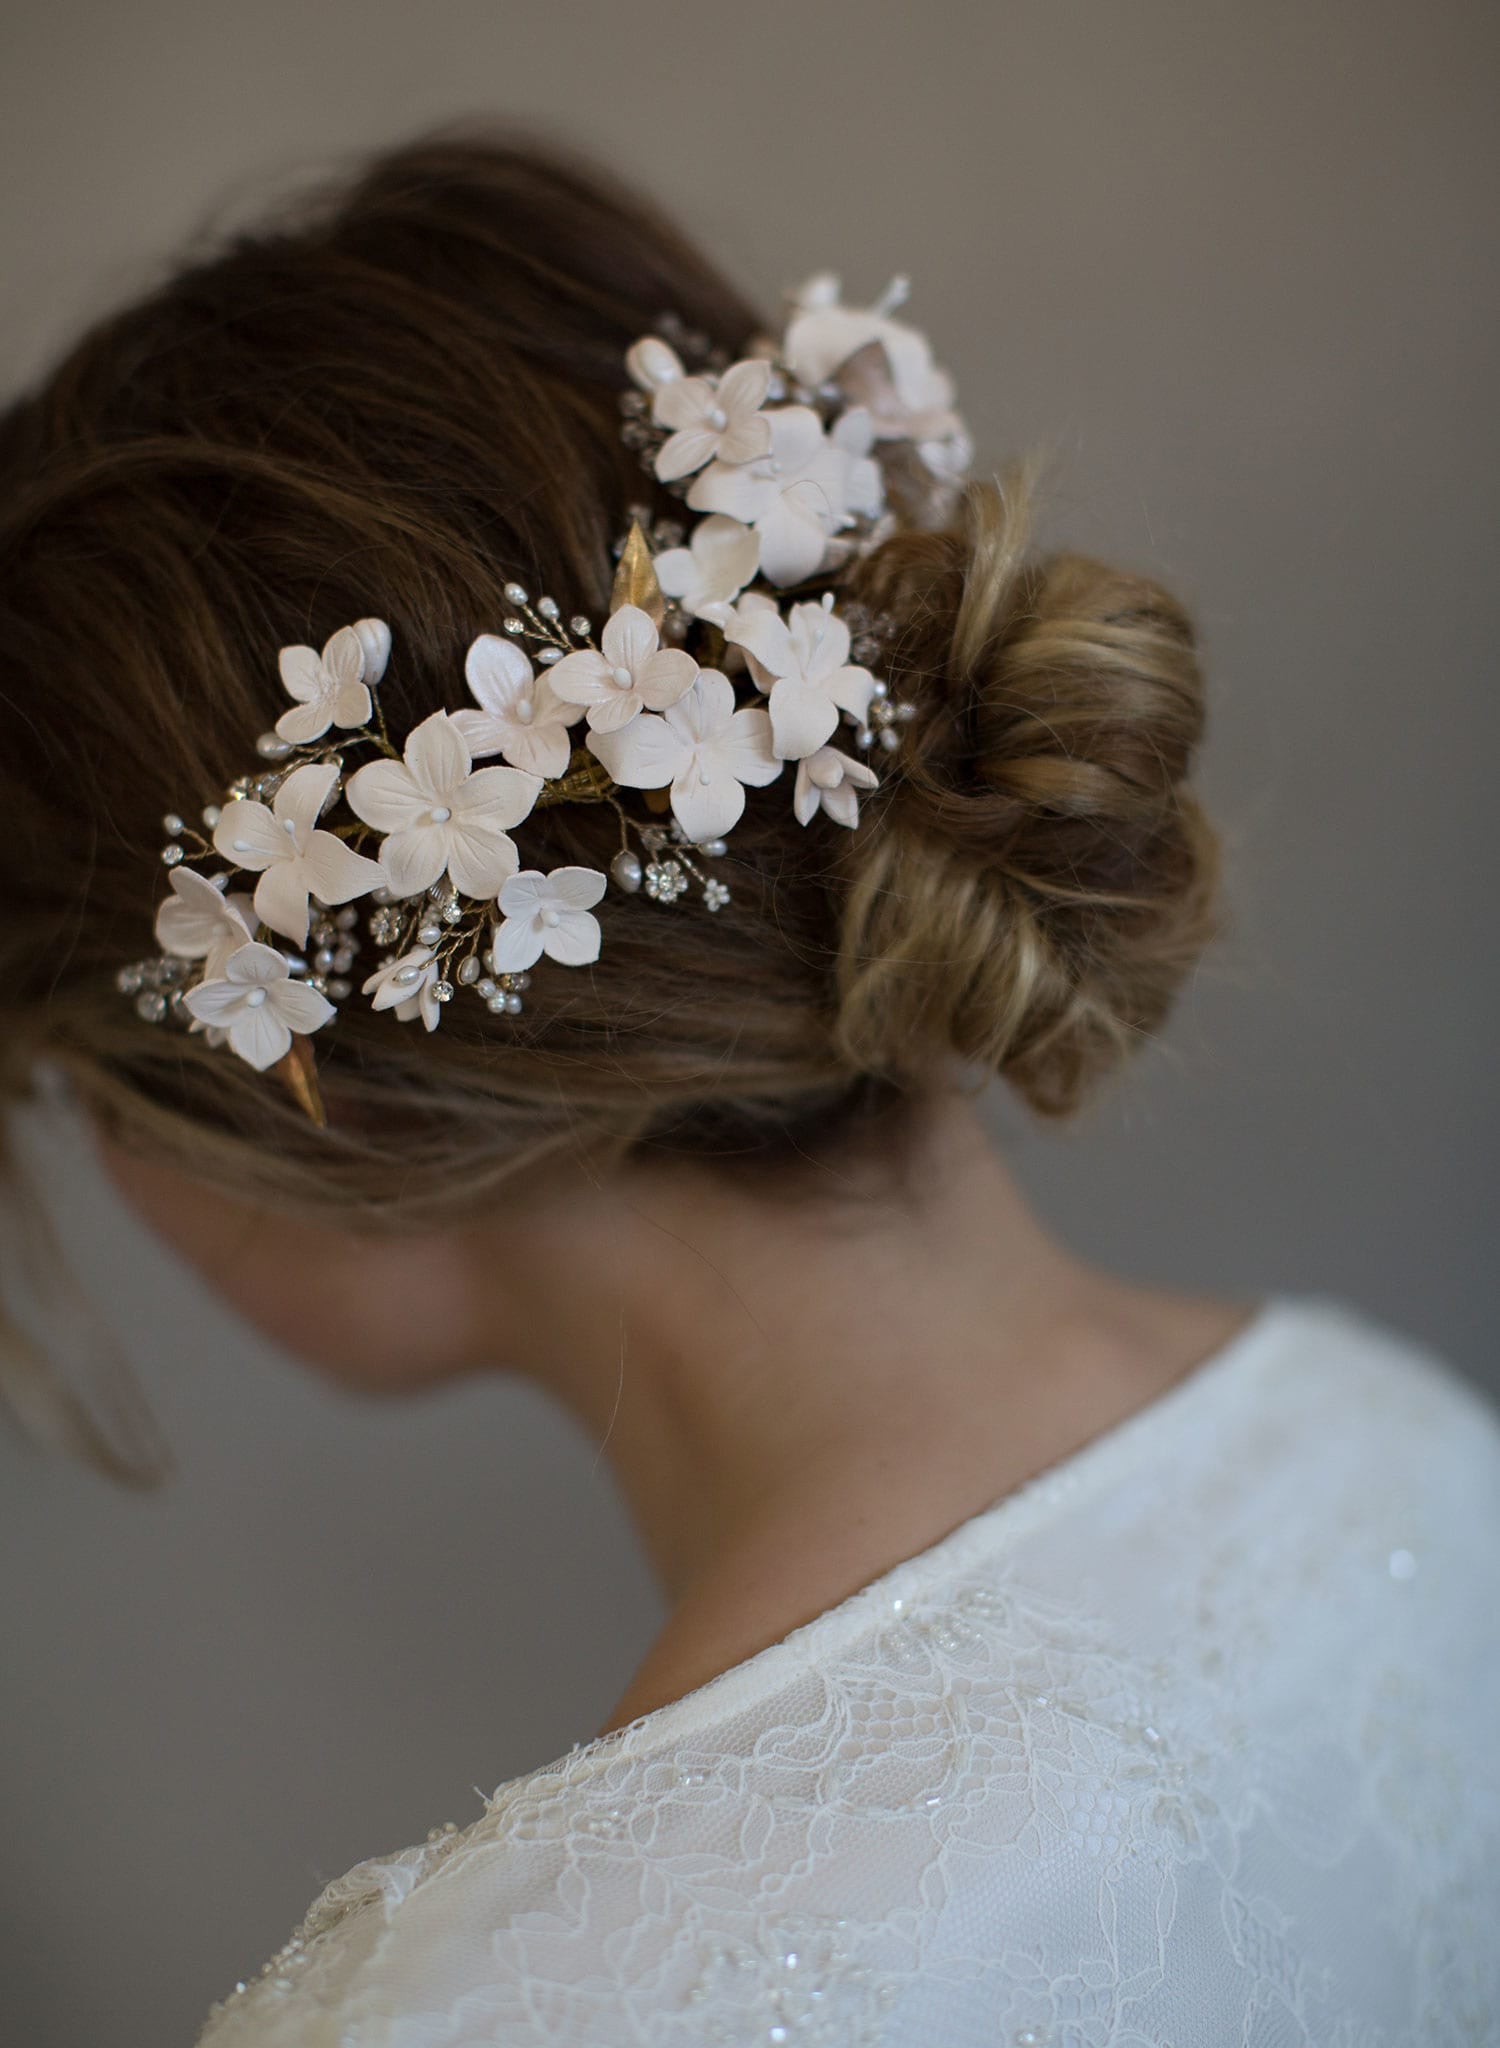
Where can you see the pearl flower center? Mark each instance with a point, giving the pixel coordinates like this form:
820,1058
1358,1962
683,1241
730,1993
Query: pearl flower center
439,815
255,998
718,419
551,917
525,711
622,677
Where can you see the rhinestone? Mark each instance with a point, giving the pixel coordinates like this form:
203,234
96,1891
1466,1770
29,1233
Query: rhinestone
905,712
151,1006
665,881
547,606
442,991
171,855
515,593
272,747
468,971
580,625
548,655
715,895
514,625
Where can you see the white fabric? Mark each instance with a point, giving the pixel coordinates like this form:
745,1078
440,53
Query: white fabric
1190,1742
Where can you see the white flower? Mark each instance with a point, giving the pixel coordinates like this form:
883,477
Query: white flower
199,922
331,688
258,1006
442,816
291,856
406,986
548,914
803,662
806,489
520,715
714,419
832,780
708,575
883,365
634,673
703,747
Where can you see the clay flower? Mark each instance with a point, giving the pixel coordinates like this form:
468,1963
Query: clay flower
331,688
634,673
199,922
714,419
703,747
520,715
806,489
708,575
881,363
803,663
441,815
833,781
294,860
406,985
257,1006
548,914
652,363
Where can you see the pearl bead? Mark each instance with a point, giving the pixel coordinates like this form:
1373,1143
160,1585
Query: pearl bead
718,419
525,711
551,918
405,976
468,971
255,998
439,814
272,747
625,872
622,677
515,593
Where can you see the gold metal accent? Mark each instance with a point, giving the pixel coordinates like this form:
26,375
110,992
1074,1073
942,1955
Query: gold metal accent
297,1071
635,579
584,782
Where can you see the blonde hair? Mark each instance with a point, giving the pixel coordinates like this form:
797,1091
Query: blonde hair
395,403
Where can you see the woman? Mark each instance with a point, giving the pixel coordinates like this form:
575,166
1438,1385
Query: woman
576,953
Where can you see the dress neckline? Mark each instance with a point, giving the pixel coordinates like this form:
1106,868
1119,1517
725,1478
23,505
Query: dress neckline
1067,1481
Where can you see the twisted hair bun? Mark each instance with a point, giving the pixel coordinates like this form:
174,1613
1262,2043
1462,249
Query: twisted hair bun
1038,878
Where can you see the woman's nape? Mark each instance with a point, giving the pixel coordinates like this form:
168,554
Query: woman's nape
799,1377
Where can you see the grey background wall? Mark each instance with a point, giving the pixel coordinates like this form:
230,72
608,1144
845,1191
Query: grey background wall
1235,266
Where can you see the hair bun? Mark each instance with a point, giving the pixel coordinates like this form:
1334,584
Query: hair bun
1038,879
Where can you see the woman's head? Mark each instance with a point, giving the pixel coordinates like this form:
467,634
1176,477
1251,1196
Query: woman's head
395,404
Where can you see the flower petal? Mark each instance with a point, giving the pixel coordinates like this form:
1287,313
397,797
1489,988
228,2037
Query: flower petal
743,386
412,861
665,677
281,900
517,945
681,453
759,628
704,713
259,1035
746,748
249,835
480,858
578,887
684,402
385,796
436,757
706,810
629,640
301,673
802,718
495,798
336,873
614,711
214,1002
525,893
258,966
305,722
299,1006
645,755
344,657
301,797
746,440
582,678
352,705
497,672
573,940
190,920
793,541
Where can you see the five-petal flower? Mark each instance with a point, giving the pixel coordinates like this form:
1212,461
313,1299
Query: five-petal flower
442,815
199,922
833,781
257,1005
805,490
708,575
803,662
713,419
520,715
633,673
291,856
882,364
332,688
407,985
703,747
549,914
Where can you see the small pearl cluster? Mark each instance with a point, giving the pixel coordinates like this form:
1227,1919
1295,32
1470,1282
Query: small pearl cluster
542,624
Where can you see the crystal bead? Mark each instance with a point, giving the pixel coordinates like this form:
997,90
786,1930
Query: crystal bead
442,991
171,855
581,626
515,593
514,625
151,1005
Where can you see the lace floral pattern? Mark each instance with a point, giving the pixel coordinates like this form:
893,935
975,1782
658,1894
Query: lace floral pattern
1189,1741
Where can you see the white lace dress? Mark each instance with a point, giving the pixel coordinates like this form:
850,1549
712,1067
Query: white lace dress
1190,1742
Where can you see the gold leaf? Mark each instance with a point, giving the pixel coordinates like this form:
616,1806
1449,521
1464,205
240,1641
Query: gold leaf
298,1074
635,579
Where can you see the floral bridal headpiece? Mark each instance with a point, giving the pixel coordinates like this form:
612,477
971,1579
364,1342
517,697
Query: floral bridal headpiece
719,666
